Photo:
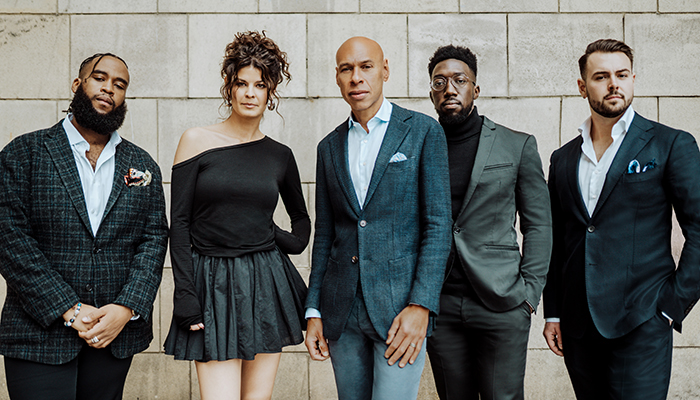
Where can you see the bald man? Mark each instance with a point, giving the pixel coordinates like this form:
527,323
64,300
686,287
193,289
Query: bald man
382,235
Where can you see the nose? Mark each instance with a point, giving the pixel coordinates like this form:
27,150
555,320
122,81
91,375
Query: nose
613,83
450,88
249,91
356,75
108,87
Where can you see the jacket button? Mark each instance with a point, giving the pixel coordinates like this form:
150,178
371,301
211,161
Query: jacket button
363,223
96,250
88,287
456,230
354,259
591,229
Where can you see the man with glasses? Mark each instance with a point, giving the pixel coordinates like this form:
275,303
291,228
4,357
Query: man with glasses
480,341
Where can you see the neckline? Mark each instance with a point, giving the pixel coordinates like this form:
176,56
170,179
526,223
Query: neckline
220,148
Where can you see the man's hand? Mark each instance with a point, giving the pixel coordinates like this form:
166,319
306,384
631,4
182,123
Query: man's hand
315,342
108,322
406,335
552,333
78,324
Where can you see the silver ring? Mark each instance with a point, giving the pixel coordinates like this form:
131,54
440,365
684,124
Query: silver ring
413,345
95,340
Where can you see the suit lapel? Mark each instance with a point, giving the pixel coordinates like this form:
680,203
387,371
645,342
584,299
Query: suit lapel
634,141
62,155
339,155
571,172
122,159
486,139
394,136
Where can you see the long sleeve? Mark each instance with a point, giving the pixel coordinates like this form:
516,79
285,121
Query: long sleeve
551,293
293,242
186,308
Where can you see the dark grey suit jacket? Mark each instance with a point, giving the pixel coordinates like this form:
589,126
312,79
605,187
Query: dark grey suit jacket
50,258
397,244
506,180
617,264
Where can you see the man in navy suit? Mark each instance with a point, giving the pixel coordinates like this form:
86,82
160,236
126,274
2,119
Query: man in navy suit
83,237
613,292
382,235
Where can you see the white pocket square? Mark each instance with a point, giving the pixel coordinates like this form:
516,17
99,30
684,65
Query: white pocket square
398,157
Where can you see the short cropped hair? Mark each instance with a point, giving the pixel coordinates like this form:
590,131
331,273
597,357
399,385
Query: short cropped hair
457,52
99,57
604,46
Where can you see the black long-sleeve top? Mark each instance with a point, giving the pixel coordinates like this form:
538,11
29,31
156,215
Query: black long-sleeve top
223,201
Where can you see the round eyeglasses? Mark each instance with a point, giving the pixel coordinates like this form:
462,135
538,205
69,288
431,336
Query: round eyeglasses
459,81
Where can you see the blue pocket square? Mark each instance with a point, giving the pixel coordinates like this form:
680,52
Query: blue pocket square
635,168
398,157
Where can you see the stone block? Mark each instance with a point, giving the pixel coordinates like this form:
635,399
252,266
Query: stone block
310,6
484,34
176,116
157,376
22,116
327,32
508,6
156,345
292,380
209,35
153,46
410,6
201,6
427,390
305,123
321,381
679,6
536,340
167,287
666,53
681,113
685,382
543,50
34,56
607,6
546,377
28,6
141,125
575,110
107,6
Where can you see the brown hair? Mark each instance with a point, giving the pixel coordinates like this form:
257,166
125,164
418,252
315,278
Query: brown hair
604,46
256,49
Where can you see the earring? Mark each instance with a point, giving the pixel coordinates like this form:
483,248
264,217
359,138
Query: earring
271,105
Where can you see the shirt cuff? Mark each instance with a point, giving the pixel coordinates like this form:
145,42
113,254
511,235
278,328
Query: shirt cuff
667,317
312,313
553,319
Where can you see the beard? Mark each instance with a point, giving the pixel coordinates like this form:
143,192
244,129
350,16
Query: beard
608,111
88,117
454,118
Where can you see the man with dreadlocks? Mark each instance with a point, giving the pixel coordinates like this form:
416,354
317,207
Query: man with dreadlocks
83,237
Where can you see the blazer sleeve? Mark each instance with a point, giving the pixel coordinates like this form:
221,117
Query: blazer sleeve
323,234
43,293
532,203
681,291
436,220
551,294
146,269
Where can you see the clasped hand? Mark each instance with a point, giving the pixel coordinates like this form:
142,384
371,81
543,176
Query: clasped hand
104,323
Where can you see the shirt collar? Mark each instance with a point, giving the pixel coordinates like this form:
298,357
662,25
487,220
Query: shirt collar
621,127
77,140
384,114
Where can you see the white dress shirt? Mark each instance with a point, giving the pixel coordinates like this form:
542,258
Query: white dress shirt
363,148
97,184
591,171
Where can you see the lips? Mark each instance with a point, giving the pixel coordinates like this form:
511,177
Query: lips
451,104
358,94
105,100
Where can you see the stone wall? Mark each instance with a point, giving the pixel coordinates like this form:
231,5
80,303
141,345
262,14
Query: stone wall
527,72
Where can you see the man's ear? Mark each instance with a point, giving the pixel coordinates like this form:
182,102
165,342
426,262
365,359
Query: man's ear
76,83
582,87
477,90
431,97
386,70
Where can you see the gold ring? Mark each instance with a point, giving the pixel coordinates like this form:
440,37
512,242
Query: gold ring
413,345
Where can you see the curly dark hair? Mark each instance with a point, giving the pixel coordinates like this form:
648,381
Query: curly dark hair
256,49
604,46
457,52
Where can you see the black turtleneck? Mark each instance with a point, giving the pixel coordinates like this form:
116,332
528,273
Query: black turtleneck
462,143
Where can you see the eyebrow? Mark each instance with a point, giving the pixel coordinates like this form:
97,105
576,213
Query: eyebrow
345,64
99,71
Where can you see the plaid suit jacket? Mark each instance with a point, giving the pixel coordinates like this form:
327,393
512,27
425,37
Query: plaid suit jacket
50,258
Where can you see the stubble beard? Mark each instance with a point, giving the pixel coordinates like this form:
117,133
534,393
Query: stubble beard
454,118
88,117
609,112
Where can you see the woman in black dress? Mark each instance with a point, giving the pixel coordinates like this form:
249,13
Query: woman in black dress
234,306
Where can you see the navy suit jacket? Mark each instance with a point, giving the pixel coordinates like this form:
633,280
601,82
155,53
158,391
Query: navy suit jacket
51,260
396,245
616,265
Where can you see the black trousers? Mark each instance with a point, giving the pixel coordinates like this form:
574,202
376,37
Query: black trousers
636,366
475,351
94,375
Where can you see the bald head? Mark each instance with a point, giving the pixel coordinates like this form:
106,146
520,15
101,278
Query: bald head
359,45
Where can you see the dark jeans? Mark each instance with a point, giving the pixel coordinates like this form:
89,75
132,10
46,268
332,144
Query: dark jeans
94,375
362,372
636,366
474,350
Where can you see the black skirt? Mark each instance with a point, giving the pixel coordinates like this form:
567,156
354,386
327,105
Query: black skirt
248,308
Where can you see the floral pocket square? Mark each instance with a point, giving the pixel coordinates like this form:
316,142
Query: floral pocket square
398,157
635,168
137,178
